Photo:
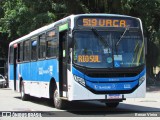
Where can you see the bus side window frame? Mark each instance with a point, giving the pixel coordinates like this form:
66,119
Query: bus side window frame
11,52
54,38
29,51
21,51
18,53
35,38
39,47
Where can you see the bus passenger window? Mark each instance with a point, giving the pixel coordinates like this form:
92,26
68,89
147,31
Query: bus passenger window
11,55
18,53
42,46
52,44
50,52
21,51
26,50
34,50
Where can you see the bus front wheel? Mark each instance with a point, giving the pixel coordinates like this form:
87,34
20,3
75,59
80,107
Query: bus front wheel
58,102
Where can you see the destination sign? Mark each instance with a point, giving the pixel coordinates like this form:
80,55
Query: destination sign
107,22
89,58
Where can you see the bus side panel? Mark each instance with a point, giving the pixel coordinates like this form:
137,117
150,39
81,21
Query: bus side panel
47,70
18,75
26,76
34,71
37,76
34,84
42,78
10,77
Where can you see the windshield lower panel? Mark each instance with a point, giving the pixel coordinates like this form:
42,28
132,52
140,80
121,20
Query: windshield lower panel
101,51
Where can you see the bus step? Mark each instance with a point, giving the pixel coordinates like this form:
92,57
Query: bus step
63,98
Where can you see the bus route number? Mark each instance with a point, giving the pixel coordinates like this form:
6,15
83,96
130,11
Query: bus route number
104,22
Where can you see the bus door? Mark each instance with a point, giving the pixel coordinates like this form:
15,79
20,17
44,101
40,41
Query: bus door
16,55
63,63
15,65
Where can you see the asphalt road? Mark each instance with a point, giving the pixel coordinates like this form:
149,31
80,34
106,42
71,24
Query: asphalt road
11,101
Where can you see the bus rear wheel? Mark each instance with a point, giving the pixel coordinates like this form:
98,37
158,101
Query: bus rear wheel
112,105
23,95
58,102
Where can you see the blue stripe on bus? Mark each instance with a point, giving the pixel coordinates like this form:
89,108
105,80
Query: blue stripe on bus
112,86
37,71
117,83
10,72
80,74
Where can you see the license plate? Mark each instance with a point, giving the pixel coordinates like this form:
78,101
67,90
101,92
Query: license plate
114,96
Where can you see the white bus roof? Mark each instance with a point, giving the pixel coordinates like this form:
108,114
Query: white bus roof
42,29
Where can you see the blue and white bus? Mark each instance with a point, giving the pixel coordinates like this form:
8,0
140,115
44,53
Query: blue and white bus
81,57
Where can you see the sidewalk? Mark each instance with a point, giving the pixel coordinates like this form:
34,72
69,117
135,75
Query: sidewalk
154,87
152,96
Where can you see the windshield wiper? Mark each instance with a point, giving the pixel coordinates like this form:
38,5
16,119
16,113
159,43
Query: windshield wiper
117,43
101,37
127,28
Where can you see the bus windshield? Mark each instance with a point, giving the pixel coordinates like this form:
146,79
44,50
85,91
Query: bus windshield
91,51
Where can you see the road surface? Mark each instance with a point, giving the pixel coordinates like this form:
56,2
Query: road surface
10,101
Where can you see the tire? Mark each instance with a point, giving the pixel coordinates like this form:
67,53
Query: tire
58,102
3,86
112,105
24,96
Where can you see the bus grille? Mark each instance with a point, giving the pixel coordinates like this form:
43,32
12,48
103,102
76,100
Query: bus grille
111,75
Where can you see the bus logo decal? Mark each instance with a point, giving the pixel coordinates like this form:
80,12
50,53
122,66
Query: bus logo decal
42,71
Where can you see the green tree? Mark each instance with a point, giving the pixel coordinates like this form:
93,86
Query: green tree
23,16
19,17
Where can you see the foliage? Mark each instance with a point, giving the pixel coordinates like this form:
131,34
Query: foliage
19,17
23,16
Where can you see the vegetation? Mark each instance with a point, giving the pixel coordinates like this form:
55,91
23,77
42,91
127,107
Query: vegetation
19,17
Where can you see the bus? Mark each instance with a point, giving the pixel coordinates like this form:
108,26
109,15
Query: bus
81,57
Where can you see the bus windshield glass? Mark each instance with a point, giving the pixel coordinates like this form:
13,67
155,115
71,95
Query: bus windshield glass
91,51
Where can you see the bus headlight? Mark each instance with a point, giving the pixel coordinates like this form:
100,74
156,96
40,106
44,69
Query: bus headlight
79,80
141,79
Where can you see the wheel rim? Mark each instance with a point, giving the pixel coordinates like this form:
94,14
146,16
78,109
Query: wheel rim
22,91
56,98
